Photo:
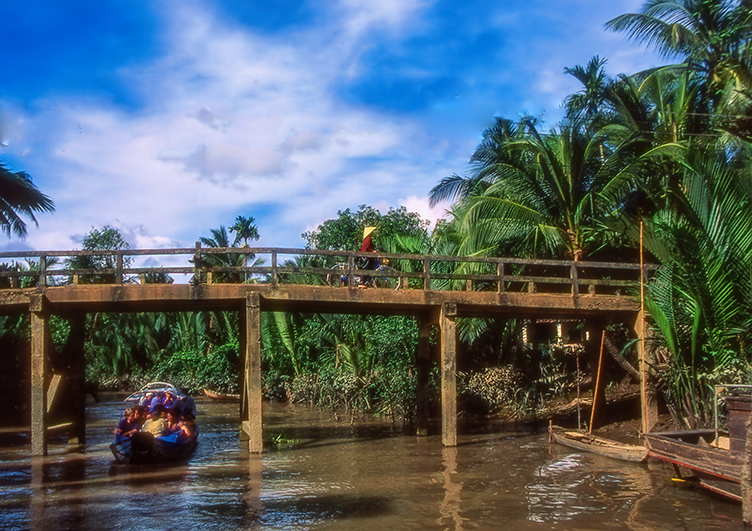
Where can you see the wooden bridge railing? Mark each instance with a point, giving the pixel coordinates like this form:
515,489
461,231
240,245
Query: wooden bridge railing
263,265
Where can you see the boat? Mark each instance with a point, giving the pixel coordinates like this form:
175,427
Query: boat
213,395
715,460
598,445
144,448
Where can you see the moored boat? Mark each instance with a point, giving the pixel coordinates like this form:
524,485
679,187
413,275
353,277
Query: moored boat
715,461
143,447
599,445
213,395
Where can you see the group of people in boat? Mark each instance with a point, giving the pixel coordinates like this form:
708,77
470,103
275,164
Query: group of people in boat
162,415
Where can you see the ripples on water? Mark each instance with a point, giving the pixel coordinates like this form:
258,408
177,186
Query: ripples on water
328,475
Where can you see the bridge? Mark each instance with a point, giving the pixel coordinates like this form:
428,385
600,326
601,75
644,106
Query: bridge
435,289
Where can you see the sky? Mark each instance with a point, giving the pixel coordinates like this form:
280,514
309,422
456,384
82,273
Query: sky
168,118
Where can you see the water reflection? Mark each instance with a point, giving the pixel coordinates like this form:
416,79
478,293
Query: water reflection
450,506
330,476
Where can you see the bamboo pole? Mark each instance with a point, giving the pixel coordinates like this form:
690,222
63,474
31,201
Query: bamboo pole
597,383
643,394
579,420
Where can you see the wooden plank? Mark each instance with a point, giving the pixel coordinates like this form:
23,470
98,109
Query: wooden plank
52,390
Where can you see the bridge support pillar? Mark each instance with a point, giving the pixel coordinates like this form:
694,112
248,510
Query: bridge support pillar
39,345
448,373
423,366
251,405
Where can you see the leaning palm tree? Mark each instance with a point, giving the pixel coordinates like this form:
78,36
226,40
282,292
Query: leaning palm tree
19,198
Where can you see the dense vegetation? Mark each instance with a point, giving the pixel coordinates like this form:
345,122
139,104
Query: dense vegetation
667,149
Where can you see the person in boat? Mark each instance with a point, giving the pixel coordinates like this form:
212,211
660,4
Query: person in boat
142,413
128,425
158,399
189,406
173,420
187,428
157,424
169,401
146,400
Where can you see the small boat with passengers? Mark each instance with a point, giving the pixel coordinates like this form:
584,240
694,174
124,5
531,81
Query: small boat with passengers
134,444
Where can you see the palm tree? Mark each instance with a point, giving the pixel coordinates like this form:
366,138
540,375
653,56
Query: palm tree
245,229
587,104
700,301
712,37
19,197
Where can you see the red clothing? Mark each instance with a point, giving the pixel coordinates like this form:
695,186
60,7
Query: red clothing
368,245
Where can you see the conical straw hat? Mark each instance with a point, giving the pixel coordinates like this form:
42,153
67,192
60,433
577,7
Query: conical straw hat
367,231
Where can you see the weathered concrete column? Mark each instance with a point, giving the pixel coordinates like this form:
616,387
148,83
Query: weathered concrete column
252,374
448,373
423,367
39,336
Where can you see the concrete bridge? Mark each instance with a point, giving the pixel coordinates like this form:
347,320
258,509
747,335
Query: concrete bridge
435,289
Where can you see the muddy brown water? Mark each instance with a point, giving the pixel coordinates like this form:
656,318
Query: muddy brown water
326,475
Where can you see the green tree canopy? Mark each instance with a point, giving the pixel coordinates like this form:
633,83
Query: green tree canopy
346,231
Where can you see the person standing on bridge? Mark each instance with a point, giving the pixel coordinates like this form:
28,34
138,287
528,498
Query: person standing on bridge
368,247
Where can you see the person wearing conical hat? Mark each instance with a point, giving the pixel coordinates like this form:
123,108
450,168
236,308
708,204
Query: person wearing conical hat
368,247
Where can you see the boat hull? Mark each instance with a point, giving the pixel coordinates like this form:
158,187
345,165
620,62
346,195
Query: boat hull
600,446
146,449
717,469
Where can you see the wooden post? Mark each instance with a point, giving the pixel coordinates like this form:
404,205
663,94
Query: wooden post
448,373
252,374
39,325
426,273
597,382
500,271
423,367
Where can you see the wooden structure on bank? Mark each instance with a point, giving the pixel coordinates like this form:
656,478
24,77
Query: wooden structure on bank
435,289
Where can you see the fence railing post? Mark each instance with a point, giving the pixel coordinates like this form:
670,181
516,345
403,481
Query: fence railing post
118,267
275,273
500,272
350,268
575,285
43,271
427,273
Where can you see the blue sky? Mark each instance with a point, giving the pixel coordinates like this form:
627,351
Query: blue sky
167,118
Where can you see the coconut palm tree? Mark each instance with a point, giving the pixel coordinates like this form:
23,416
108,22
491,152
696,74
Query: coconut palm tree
19,198
711,37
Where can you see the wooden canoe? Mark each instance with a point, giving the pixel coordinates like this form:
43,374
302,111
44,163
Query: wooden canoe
718,469
599,445
220,396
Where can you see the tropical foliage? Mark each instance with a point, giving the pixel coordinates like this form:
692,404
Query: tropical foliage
19,198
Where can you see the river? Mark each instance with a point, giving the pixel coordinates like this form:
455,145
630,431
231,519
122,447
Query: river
326,475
